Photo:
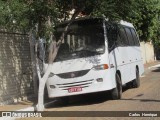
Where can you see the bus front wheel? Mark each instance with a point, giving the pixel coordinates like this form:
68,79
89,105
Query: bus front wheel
116,93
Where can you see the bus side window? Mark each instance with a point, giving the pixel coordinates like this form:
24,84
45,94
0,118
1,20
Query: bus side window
111,35
119,41
130,37
123,36
135,37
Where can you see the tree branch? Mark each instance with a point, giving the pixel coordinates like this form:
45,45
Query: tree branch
54,46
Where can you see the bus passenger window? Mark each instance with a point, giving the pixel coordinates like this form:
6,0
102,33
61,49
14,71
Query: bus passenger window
135,37
119,41
123,36
112,36
129,36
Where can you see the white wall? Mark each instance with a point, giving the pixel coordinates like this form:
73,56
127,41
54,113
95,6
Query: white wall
147,50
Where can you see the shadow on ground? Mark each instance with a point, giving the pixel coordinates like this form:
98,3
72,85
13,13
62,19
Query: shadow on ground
91,99
156,70
81,100
141,99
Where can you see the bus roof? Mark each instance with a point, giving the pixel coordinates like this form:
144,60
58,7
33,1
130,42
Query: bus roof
93,18
126,23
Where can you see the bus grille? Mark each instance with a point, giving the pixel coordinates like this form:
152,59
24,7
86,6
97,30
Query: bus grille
82,84
73,74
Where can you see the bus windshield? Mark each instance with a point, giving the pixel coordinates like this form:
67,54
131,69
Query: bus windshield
83,39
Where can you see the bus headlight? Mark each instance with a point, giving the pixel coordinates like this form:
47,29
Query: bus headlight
101,67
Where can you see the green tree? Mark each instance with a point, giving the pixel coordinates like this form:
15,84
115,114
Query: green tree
40,17
145,18
114,10
142,13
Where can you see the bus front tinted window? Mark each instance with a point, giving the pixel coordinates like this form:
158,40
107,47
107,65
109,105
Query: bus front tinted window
84,39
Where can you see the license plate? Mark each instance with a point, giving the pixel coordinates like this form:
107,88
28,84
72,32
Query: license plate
74,89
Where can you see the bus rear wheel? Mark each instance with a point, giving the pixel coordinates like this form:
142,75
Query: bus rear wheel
116,93
136,81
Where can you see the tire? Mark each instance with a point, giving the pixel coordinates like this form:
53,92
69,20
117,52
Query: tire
116,93
136,82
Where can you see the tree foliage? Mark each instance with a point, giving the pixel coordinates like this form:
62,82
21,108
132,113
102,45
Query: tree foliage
34,14
145,18
114,9
27,14
142,13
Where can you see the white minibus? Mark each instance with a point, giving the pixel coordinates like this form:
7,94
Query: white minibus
96,55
